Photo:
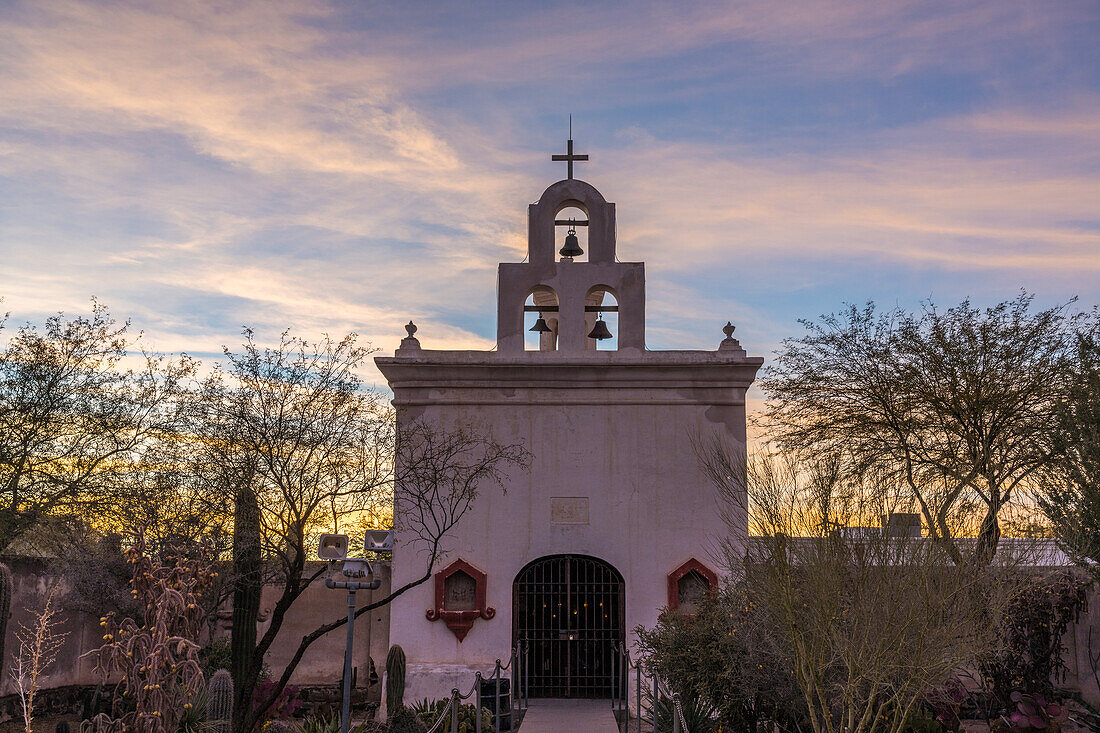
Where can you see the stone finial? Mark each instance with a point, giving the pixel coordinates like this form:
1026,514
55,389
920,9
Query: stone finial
729,343
410,342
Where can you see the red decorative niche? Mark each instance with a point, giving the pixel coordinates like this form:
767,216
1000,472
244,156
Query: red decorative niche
688,583
460,598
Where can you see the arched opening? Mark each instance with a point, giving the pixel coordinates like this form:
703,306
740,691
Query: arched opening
571,216
541,302
570,612
600,303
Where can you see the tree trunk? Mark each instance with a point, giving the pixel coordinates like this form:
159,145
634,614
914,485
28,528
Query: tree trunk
988,536
247,586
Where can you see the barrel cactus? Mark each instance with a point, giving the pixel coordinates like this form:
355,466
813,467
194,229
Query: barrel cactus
219,701
395,679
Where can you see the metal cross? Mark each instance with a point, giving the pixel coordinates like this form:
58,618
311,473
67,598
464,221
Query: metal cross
569,157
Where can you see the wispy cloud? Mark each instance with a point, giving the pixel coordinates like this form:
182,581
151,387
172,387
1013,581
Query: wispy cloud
344,167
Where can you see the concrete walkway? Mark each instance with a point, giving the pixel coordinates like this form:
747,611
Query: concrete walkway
568,716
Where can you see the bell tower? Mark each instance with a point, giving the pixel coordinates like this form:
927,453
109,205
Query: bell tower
615,517
581,289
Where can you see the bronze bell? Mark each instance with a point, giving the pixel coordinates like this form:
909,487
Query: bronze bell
572,247
599,331
540,326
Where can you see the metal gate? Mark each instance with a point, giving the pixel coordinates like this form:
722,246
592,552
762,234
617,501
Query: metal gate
568,609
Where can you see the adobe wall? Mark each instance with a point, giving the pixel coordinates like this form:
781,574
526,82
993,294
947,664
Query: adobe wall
322,663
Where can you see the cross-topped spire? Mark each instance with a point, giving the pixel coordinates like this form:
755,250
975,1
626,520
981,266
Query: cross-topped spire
569,157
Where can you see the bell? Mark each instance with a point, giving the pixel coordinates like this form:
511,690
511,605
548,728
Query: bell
540,326
572,247
599,331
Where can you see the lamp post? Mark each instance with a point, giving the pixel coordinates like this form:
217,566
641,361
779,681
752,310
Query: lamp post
334,547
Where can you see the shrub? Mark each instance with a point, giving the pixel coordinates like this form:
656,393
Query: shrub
214,656
718,656
286,704
1031,655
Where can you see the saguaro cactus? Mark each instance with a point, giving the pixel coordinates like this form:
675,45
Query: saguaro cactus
395,679
219,701
5,611
247,586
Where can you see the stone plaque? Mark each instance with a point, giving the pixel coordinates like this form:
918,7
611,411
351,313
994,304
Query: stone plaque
569,510
459,592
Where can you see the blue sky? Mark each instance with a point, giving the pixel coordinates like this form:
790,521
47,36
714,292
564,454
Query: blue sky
350,165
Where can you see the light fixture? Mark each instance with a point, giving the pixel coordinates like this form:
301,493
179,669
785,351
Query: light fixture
378,540
333,547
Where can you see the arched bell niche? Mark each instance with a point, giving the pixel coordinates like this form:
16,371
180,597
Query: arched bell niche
572,215
541,302
543,217
601,303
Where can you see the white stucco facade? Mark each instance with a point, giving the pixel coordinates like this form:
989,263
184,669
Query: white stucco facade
609,435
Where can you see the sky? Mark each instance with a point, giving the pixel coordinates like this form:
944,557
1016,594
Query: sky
350,165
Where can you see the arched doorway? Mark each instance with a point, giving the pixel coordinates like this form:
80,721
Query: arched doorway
569,609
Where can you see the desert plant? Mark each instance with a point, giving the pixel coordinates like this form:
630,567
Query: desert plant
395,679
331,724
247,580
320,724
699,715
193,719
38,647
429,711
214,656
155,661
405,720
286,703
1033,713
219,701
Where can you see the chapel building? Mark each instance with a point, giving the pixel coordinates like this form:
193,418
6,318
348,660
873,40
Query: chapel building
614,519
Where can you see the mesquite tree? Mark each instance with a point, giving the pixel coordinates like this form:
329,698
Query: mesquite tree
73,422
155,657
955,405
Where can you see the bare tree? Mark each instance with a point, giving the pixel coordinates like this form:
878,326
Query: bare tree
39,644
290,432
955,405
867,620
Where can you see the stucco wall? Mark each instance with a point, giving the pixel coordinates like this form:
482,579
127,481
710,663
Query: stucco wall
650,509
323,663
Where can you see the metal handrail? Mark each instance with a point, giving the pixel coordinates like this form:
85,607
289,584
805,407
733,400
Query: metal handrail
517,701
625,666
